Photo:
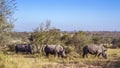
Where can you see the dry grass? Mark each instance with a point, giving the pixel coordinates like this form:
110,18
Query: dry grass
36,61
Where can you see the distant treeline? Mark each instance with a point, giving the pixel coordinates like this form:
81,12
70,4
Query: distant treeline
97,37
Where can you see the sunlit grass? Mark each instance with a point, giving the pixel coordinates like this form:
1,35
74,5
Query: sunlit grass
37,61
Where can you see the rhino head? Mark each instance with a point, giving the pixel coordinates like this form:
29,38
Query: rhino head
63,54
105,55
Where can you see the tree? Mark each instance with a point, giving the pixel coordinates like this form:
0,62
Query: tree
116,42
66,39
7,8
45,35
79,40
96,38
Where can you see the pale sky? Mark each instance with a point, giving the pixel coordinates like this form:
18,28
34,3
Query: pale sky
69,15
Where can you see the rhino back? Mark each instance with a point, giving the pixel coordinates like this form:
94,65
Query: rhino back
56,48
59,48
49,48
93,48
52,47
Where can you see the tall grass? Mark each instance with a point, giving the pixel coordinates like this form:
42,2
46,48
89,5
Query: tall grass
36,61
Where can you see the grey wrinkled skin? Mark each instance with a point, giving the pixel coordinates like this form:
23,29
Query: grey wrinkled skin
24,48
55,50
96,50
105,55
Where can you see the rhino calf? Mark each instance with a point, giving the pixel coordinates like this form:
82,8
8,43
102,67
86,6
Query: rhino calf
96,50
55,50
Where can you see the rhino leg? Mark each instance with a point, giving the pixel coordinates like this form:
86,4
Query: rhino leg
55,54
47,54
98,54
59,55
85,52
16,51
85,55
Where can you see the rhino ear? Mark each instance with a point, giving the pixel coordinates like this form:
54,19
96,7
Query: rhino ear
105,55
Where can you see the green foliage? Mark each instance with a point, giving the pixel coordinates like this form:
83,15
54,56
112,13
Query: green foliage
116,42
96,39
66,39
53,36
45,35
7,8
79,40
